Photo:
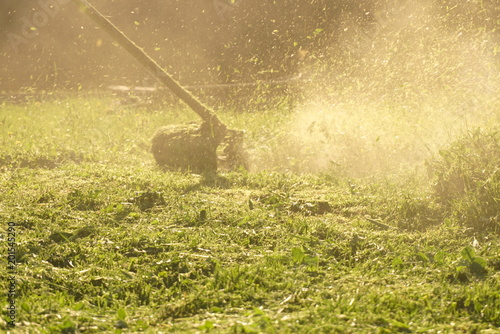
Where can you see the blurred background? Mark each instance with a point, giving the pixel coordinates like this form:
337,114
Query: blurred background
47,44
51,45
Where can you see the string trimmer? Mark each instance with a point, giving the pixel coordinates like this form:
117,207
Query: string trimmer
181,147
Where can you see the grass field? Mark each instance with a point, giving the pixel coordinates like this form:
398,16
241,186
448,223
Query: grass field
106,242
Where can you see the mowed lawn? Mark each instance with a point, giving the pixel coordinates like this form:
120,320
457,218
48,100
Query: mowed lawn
107,242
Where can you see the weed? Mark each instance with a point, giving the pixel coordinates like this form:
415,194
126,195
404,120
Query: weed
467,179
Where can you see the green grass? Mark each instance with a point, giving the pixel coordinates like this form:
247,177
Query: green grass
108,243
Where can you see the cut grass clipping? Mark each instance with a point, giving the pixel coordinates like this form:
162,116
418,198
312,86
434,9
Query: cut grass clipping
467,179
110,243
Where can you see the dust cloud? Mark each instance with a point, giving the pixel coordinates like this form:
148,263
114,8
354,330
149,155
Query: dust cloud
387,99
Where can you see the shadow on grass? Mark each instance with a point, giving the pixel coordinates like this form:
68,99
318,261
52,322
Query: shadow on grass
210,180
